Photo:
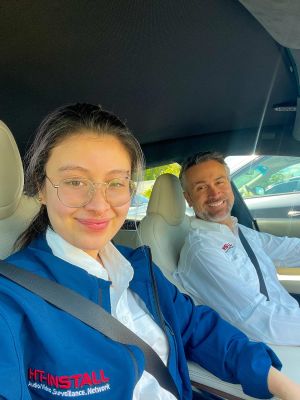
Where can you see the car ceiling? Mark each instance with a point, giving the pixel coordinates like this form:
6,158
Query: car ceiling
184,75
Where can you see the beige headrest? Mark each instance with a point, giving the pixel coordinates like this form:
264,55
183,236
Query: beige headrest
167,199
11,173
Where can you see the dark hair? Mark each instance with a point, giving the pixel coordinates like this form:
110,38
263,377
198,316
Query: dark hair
199,158
61,123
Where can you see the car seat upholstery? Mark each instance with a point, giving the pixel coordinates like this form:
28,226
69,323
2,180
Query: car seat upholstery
165,225
16,209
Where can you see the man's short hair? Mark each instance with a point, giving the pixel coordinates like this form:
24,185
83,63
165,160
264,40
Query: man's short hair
199,158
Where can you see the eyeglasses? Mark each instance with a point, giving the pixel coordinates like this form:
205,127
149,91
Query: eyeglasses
76,193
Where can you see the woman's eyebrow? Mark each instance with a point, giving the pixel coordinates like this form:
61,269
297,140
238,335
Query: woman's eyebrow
82,169
71,168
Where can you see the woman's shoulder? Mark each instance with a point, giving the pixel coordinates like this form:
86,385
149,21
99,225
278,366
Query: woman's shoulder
33,256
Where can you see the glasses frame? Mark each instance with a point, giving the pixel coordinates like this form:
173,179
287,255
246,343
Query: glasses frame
95,186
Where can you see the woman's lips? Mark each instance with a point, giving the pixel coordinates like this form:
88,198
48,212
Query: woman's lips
94,224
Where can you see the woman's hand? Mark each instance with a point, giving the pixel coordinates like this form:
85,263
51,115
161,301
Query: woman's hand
282,386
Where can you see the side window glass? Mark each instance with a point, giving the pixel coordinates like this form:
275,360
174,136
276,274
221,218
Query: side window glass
267,175
270,185
284,181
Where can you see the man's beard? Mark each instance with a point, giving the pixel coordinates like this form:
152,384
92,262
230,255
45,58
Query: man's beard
206,216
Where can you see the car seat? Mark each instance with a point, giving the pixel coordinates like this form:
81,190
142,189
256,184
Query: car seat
165,225
16,209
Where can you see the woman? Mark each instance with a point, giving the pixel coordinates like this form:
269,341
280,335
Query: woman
81,167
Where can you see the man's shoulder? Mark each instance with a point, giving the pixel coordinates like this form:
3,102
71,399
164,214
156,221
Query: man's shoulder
203,234
198,224
202,229
250,233
207,237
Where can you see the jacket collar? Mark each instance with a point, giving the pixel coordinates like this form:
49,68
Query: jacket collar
138,258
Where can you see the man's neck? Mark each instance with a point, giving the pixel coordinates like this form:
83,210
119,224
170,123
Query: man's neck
228,221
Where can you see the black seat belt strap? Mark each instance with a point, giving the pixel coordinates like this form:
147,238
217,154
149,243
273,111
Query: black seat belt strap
91,314
247,247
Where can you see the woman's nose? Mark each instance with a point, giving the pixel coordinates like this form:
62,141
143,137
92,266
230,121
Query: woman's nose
98,201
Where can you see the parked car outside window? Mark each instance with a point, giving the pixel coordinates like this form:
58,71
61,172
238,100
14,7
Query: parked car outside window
270,185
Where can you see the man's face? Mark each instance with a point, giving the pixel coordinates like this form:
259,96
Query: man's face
208,191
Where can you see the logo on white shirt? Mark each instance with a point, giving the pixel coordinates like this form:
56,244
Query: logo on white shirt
227,246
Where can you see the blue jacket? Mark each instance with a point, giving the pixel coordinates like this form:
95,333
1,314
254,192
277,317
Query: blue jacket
46,353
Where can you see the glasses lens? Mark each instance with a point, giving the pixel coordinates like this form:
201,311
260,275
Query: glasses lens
119,191
75,192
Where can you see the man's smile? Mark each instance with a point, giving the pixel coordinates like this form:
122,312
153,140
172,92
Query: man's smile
216,203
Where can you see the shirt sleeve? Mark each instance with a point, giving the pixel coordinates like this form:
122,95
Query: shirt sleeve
221,348
211,278
284,251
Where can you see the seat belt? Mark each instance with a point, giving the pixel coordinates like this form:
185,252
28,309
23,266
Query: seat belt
92,315
247,247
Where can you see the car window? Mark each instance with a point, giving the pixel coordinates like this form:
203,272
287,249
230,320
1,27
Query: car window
268,175
270,185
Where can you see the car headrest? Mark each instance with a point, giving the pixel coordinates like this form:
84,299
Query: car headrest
11,173
167,199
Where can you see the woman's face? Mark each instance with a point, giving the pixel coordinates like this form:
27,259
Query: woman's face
98,158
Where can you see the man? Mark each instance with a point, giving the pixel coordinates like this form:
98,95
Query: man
215,268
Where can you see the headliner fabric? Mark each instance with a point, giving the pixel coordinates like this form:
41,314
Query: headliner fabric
11,173
171,69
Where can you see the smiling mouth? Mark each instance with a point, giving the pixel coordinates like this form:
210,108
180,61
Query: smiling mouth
94,224
216,203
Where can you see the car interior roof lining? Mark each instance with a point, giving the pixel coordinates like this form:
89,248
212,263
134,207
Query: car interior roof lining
171,70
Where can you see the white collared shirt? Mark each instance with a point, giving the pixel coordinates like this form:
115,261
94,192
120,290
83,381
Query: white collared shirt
216,270
126,306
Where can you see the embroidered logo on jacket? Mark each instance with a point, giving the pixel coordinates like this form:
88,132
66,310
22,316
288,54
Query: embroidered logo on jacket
86,383
227,246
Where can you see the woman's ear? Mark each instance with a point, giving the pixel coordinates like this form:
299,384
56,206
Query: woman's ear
41,197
